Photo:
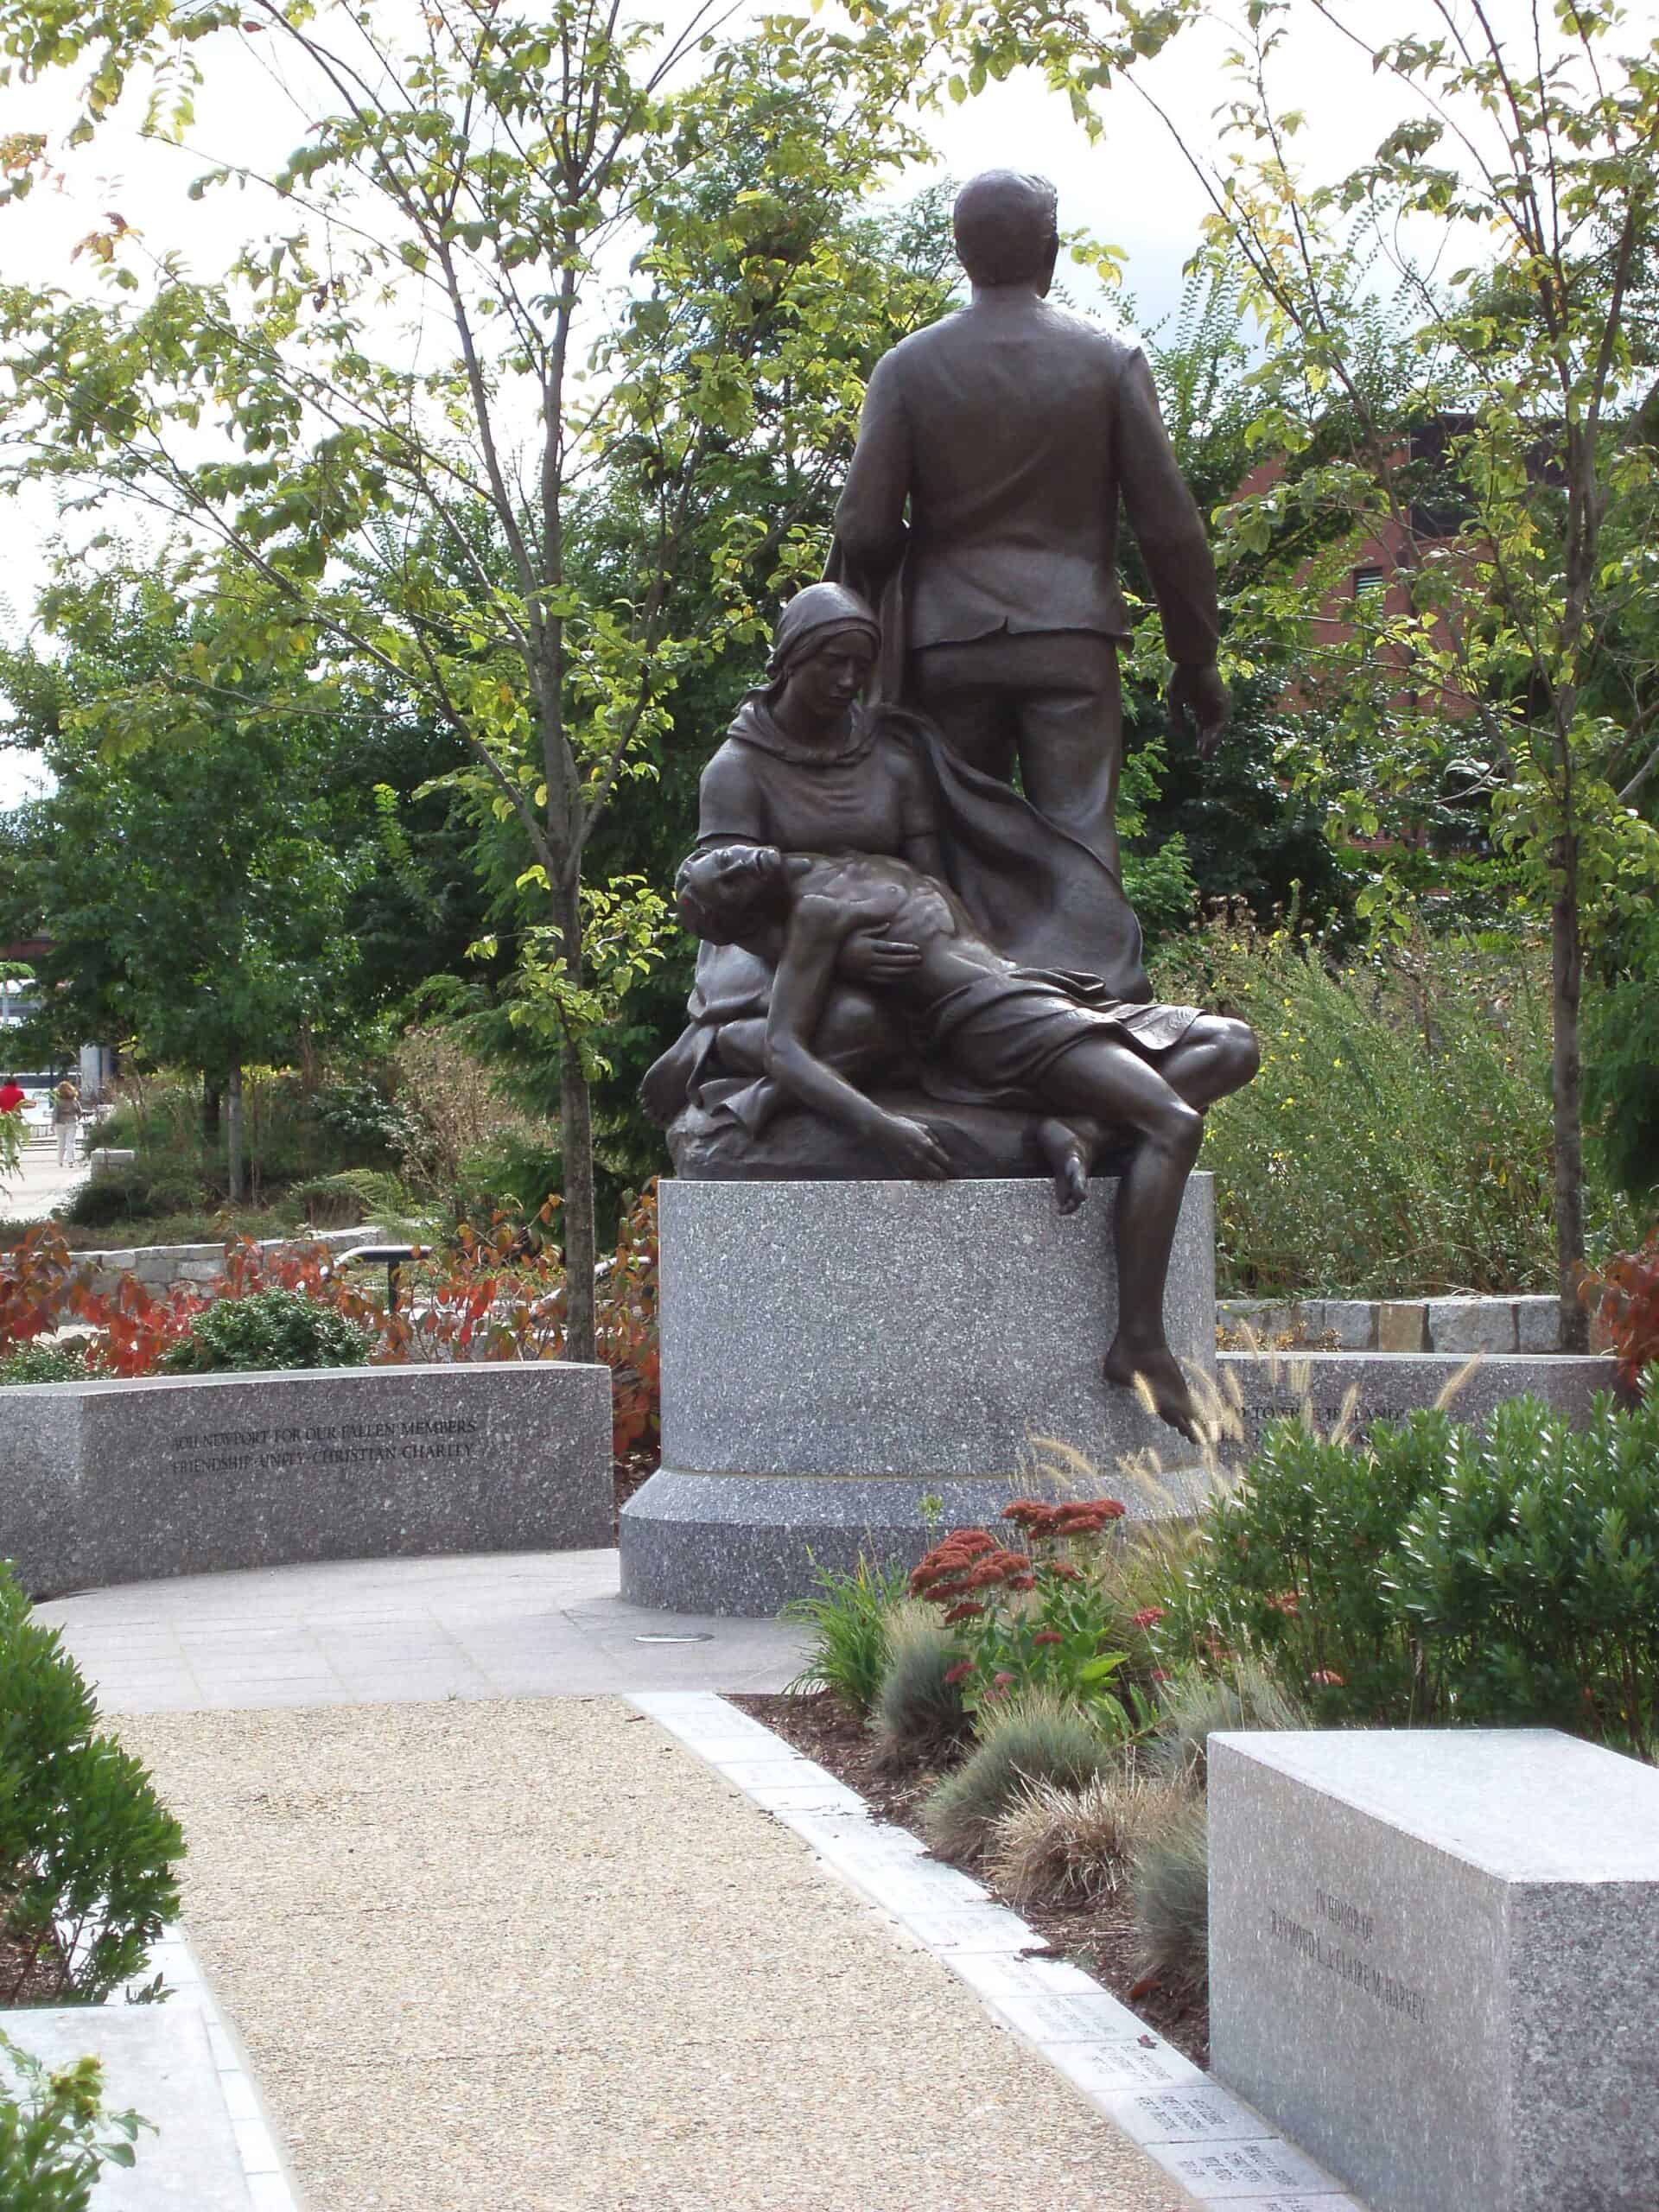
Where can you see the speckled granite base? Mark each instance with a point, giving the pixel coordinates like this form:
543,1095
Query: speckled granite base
126,1481
877,1343
1432,1961
744,1544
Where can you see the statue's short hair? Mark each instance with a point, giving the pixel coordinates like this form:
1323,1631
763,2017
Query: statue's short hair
1007,226
704,916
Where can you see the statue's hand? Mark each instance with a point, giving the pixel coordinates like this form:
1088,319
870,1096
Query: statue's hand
868,958
914,1146
1198,702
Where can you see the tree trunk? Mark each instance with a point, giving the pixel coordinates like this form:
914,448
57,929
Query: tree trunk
576,1147
1567,963
211,1095
577,1152
233,1133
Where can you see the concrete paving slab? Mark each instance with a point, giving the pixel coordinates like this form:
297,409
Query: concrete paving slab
386,1631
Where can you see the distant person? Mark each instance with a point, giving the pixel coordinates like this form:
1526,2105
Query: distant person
12,1095
66,1120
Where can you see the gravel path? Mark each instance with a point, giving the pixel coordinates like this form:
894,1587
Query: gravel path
530,1956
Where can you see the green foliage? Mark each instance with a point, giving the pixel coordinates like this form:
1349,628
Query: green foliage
272,1329
55,2136
1437,1575
848,1615
1171,1894
1039,1740
44,1363
1192,1707
1397,1141
918,1708
1621,1077
87,1853
124,1194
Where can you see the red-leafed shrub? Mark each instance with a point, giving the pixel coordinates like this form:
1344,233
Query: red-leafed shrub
1625,1299
493,1295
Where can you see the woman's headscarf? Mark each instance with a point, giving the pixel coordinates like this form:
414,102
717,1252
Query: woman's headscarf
806,623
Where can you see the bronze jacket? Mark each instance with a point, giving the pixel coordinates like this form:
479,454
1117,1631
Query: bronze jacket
1016,432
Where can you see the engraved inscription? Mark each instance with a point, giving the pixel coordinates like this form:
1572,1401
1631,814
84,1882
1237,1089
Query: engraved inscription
1344,1960
323,1444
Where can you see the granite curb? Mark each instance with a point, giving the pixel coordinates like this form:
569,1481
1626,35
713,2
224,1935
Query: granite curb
1209,2141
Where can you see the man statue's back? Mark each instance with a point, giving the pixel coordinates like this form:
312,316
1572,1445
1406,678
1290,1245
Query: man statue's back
1013,432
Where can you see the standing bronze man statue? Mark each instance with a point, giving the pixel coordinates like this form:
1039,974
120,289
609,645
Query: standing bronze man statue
1013,433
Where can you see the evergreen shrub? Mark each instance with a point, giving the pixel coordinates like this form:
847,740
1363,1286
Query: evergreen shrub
87,1851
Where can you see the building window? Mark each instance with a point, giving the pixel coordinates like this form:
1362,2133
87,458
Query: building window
1366,580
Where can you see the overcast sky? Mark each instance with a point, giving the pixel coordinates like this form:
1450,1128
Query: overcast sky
1132,189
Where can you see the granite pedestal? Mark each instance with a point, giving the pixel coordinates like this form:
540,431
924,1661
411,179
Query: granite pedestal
1432,1961
846,1365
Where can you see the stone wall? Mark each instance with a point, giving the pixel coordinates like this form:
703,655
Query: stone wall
127,1481
160,1266
1440,1325
1388,1384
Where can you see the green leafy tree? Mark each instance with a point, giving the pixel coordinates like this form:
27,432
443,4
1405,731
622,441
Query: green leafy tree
481,174
192,885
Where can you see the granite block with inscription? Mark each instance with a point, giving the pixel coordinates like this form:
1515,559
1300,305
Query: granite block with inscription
1431,1960
125,1481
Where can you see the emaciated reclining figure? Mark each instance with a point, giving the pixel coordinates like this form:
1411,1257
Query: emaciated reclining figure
1025,1037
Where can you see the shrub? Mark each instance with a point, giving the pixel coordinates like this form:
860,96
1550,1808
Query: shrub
105,1199
1397,1138
87,1852
1076,1847
1171,1894
848,1616
272,1328
1439,1575
56,2136
65,1363
454,1105
918,1708
1037,1740
1193,1706
1029,1621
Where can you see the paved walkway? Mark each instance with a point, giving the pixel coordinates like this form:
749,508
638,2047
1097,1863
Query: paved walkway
494,1939
532,1956
39,1183
517,1624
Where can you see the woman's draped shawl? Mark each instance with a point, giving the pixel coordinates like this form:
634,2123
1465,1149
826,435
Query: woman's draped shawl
1040,895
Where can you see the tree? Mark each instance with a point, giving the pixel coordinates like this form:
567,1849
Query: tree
488,170
1484,666
195,887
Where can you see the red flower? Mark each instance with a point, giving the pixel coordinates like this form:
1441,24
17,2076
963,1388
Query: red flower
1003,1681
1159,1675
960,1672
1324,1680
1048,1635
1063,1571
1289,1602
1022,1582
1148,1617
967,1610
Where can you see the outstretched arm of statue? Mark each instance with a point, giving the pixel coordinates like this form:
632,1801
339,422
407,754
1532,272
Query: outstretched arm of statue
817,930
870,516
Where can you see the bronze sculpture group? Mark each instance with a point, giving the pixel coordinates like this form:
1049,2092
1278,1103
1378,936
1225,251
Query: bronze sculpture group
909,967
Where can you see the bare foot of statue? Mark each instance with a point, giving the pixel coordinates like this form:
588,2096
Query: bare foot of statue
1161,1372
1066,1154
